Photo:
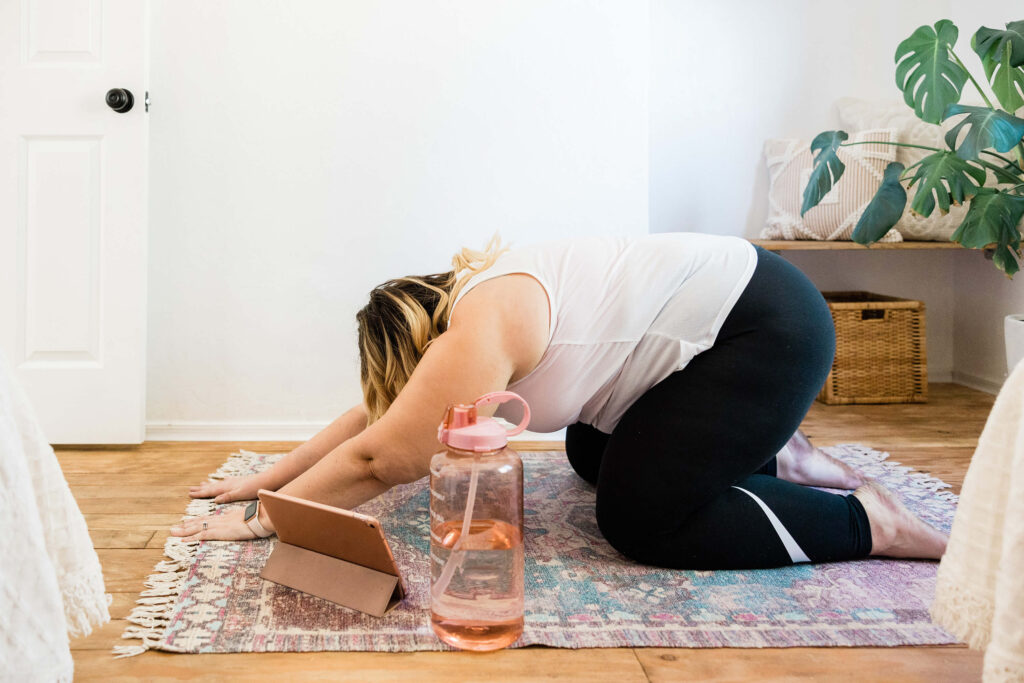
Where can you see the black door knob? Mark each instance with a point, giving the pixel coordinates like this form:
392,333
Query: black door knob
120,99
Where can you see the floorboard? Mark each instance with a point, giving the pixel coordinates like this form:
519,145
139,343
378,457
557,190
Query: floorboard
903,664
521,665
131,495
121,538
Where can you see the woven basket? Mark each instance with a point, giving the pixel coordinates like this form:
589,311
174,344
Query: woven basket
880,350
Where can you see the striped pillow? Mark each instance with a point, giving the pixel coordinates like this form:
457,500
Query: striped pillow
857,114
834,218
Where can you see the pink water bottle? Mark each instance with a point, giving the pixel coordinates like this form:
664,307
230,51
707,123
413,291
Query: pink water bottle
476,529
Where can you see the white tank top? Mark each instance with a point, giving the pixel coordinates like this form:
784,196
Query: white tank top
625,314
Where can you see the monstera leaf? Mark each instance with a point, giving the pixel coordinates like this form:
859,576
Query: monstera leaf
986,128
941,177
828,167
992,221
993,43
927,73
1002,53
884,209
1006,258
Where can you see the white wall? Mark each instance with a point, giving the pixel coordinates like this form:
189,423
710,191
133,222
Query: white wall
303,152
726,76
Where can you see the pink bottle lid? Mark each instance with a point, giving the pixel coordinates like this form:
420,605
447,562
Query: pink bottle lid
463,429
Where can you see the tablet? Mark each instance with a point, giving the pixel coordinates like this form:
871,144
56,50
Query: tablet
335,554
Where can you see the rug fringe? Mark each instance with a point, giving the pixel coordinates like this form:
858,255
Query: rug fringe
150,616
920,480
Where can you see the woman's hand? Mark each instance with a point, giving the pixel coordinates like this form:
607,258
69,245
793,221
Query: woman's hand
230,489
228,526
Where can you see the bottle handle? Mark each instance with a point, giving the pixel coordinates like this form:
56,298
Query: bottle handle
502,397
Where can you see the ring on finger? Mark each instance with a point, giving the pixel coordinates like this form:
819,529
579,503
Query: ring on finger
204,526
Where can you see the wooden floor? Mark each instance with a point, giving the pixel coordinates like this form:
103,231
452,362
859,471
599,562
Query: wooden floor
131,495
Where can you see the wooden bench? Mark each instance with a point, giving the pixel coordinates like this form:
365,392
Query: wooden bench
813,245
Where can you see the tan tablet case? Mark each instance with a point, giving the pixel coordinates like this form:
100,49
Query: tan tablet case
334,554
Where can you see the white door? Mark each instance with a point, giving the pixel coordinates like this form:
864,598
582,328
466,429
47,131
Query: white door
73,214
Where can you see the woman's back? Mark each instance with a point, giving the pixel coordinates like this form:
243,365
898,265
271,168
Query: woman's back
625,313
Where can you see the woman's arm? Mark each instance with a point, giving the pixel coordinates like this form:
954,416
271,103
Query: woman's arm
351,423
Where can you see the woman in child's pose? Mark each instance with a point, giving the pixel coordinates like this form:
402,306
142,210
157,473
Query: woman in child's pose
682,365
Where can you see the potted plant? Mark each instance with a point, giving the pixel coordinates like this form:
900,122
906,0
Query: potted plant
982,165
1014,335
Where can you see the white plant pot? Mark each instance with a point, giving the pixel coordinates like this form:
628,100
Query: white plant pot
1014,327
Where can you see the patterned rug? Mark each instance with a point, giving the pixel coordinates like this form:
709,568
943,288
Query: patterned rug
209,597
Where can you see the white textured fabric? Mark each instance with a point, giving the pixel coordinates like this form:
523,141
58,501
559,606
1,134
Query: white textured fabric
856,114
51,583
979,592
625,314
790,163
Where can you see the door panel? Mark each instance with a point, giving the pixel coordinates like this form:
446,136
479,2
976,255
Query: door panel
67,31
58,321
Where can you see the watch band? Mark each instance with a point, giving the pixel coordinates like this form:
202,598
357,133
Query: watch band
252,520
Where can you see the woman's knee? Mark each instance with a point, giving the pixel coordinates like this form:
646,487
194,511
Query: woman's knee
628,529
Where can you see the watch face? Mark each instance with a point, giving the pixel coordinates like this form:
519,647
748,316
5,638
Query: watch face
250,510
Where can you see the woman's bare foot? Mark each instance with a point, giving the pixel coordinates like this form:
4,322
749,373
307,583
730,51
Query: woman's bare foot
895,531
801,463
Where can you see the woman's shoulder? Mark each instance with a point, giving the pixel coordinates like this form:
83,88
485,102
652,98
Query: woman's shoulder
514,309
512,296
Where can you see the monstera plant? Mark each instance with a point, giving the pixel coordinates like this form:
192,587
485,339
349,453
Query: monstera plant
983,140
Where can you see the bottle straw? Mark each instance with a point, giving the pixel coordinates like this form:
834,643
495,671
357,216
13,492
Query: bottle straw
457,552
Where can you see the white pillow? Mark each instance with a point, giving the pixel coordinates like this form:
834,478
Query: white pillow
789,166
855,114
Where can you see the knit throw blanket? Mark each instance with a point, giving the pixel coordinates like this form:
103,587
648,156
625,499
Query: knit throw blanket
51,584
979,594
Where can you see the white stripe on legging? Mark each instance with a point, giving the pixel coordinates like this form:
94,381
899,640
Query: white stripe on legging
796,553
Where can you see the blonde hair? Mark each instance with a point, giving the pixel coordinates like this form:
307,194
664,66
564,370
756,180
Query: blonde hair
403,318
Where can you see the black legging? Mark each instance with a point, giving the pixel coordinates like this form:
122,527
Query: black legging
687,477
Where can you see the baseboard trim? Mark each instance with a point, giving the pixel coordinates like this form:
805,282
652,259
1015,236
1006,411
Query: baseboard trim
232,431
265,431
975,382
